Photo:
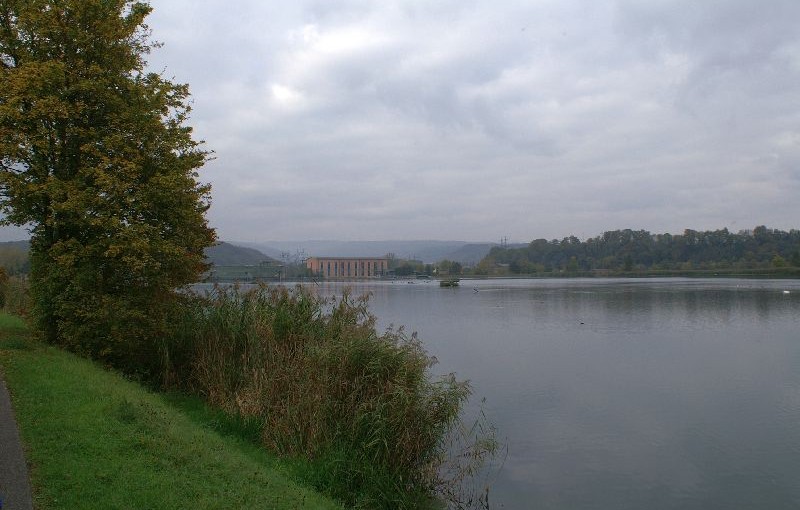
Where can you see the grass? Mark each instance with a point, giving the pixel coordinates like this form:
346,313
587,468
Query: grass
96,440
312,379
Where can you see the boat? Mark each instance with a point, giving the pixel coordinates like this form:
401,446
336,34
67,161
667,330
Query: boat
450,282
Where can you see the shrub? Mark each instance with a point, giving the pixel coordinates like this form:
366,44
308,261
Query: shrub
16,296
361,406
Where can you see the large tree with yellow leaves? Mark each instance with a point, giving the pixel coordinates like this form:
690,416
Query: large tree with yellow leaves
97,160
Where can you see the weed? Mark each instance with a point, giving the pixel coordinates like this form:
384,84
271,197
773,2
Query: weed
323,384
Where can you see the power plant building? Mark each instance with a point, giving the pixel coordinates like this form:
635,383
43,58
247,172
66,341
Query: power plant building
347,267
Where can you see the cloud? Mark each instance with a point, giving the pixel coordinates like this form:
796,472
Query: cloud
470,120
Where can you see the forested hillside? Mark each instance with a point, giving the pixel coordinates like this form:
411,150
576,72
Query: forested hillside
15,259
226,254
636,250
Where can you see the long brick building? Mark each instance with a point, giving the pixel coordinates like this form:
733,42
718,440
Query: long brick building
348,267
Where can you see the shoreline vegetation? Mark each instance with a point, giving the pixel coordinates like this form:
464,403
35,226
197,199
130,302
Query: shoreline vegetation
95,439
351,413
777,273
757,252
320,383
762,252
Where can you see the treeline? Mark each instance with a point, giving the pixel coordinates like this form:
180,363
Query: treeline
621,251
415,267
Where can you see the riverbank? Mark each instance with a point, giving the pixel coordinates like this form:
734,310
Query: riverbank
93,438
777,273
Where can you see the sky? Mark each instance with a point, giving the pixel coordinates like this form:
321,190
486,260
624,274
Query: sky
475,120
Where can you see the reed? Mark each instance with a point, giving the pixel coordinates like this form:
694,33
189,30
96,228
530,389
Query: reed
361,406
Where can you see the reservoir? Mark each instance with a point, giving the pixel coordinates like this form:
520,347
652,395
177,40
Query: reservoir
622,393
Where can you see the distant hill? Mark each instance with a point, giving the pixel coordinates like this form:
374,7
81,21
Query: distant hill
226,254
274,253
470,254
14,256
250,254
20,245
426,251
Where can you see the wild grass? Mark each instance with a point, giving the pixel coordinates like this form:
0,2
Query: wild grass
12,325
96,440
356,413
321,383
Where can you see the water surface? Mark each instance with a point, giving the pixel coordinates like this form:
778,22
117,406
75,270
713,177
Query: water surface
623,394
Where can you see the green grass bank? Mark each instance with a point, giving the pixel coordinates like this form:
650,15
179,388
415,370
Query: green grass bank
96,440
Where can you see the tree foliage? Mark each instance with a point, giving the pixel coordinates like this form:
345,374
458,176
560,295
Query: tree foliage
627,250
449,267
97,160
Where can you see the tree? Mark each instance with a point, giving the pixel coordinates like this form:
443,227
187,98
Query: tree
778,261
628,262
97,161
449,267
572,265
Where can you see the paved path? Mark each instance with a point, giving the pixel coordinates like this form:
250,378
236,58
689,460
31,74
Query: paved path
15,490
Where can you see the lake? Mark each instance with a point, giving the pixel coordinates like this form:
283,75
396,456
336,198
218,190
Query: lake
622,393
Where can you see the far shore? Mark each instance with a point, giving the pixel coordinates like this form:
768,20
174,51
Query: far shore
782,273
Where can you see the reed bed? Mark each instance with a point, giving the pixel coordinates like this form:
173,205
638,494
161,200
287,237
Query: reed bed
322,383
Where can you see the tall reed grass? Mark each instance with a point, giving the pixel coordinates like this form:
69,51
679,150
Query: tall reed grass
362,406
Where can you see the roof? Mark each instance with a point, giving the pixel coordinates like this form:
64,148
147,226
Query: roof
347,258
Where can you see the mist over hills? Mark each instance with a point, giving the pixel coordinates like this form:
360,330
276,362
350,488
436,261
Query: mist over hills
428,252
249,253
24,245
14,257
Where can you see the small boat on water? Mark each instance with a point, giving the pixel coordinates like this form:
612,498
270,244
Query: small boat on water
450,282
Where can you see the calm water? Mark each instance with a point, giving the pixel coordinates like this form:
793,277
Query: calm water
624,394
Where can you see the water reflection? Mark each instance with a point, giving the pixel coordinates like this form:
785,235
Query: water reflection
624,393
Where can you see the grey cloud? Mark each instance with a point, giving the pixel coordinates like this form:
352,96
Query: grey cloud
737,43
471,120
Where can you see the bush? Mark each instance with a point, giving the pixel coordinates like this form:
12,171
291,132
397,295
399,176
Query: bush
16,296
325,385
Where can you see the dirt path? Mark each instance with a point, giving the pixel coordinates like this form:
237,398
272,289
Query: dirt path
15,490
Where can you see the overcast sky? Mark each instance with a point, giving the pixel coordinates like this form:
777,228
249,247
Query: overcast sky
472,120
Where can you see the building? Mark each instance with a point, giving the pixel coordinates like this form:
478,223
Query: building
348,267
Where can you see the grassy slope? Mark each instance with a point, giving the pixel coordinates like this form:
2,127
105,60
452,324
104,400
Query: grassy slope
95,440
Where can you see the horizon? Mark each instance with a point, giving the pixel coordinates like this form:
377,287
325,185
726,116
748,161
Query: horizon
7,235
